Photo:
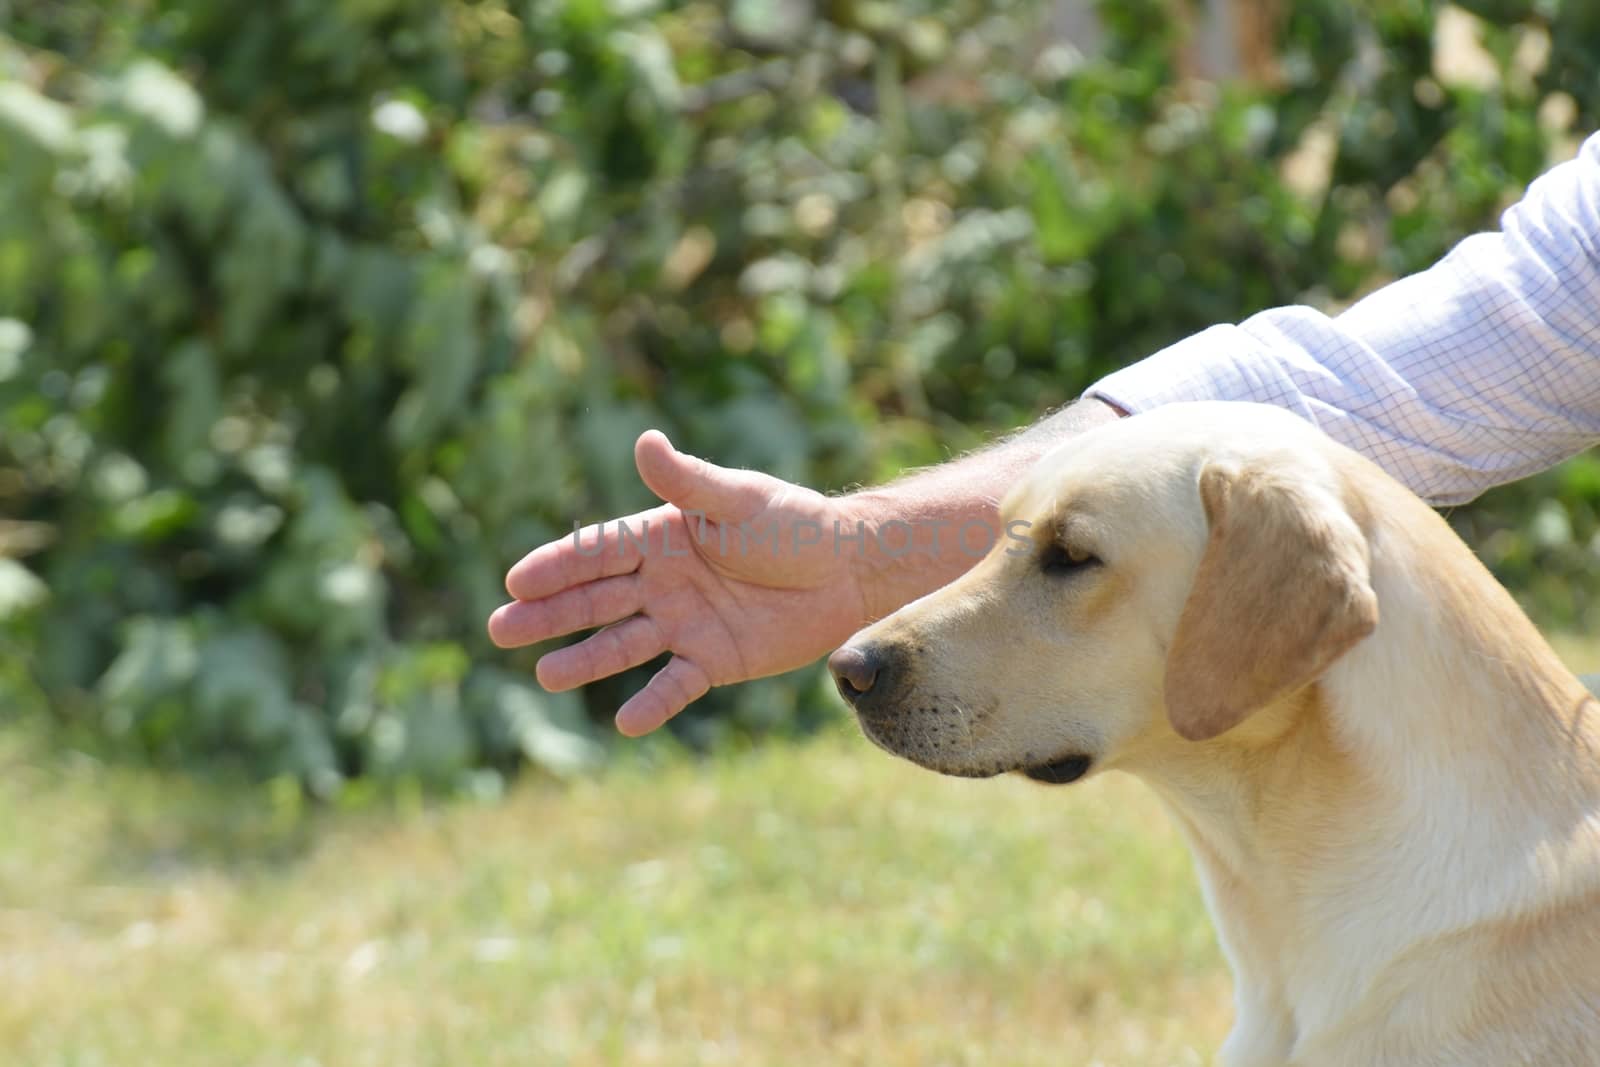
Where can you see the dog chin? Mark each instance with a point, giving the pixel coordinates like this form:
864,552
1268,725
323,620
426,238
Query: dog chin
1059,771
1062,771
915,750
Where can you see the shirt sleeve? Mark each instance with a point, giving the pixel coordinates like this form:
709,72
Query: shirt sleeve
1480,370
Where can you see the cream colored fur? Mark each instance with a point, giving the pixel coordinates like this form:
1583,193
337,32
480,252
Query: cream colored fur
1390,784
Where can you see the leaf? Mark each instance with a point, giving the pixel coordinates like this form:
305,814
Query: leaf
442,347
155,516
158,659
549,729
44,123
15,339
241,689
194,389
158,95
21,590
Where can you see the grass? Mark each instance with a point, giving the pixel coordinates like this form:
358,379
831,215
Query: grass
811,903
814,903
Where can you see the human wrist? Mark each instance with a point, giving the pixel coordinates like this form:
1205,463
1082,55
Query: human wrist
923,531
863,514
910,542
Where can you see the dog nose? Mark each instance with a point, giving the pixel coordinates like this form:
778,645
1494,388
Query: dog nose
855,671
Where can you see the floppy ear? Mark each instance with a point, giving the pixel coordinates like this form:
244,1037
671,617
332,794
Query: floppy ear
1283,589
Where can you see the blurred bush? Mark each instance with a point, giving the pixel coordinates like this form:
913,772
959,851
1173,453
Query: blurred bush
315,315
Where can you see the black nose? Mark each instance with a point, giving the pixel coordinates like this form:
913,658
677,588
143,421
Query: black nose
865,675
855,671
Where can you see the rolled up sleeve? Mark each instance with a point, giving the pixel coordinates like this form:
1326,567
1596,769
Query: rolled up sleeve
1480,370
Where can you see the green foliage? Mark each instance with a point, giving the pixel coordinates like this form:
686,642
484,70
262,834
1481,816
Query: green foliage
315,315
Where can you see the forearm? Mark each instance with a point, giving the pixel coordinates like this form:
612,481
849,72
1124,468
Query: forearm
930,527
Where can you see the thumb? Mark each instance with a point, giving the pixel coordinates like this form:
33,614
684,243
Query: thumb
696,485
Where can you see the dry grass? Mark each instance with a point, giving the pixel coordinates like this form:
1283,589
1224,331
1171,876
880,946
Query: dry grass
802,904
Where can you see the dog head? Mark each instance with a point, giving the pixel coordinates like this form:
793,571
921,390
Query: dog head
1161,580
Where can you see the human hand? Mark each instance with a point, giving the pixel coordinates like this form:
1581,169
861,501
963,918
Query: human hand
739,575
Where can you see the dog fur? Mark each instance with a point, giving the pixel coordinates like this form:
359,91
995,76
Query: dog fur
1388,780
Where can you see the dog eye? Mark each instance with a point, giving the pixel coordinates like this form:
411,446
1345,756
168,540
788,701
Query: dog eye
1066,559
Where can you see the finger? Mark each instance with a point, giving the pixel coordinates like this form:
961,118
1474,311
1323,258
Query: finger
675,686
594,552
522,622
693,484
611,651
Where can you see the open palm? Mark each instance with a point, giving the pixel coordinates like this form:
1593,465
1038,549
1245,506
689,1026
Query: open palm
739,576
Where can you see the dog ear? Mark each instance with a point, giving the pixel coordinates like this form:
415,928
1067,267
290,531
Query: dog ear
1282,591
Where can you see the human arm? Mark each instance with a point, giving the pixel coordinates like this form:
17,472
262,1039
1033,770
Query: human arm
1480,370
942,507
730,608
1477,371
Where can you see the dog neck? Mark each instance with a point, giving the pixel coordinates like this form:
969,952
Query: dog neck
1438,783
1458,707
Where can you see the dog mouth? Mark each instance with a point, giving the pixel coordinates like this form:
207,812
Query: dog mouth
933,747
1063,771
936,735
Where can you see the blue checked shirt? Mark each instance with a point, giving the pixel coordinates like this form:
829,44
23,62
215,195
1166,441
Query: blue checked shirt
1480,370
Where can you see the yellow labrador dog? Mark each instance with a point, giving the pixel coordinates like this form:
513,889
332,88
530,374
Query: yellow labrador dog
1390,784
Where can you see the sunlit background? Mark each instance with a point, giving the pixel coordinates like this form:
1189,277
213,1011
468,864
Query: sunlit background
317,314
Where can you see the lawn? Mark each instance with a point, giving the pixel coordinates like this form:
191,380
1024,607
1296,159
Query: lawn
815,903
800,904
